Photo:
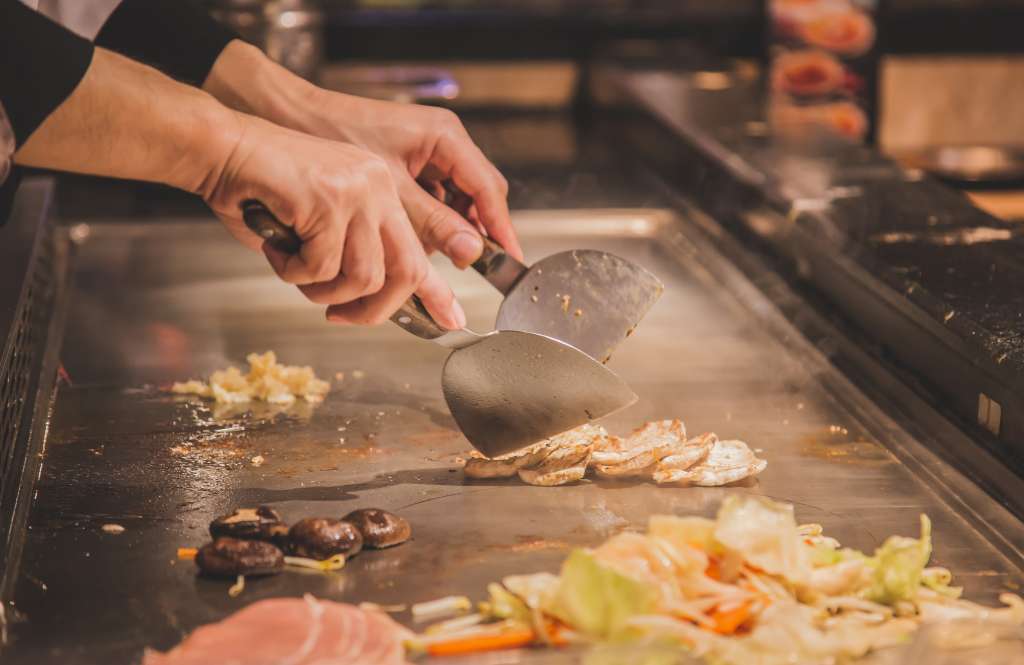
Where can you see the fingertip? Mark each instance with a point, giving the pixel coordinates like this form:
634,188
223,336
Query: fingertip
459,314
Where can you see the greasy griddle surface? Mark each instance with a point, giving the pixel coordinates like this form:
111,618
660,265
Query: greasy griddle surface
187,301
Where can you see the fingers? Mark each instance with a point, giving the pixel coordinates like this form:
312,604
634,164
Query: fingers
362,269
407,271
320,257
440,227
457,156
439,300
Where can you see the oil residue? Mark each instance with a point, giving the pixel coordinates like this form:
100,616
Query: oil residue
835,444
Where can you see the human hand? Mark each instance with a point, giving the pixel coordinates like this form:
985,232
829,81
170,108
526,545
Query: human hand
424,148
359,253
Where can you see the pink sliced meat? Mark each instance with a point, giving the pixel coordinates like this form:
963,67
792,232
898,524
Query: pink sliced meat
292,631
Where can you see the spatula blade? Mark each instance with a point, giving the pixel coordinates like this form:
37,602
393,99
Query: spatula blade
514,388
587,298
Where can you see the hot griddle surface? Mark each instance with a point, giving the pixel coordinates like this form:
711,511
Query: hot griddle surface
165,302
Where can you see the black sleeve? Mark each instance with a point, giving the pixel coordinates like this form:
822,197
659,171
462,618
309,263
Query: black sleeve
42,64
175,36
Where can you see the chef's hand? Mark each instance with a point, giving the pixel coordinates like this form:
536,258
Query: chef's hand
423,147
359,255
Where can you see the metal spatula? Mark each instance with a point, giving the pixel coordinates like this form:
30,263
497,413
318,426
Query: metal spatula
506,389
587,298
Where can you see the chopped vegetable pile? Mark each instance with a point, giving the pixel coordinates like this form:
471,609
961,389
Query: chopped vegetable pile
750,586
265,381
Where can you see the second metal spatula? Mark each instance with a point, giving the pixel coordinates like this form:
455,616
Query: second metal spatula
585,297
506,389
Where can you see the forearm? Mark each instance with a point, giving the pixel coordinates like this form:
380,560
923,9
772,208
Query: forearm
245,79
127,120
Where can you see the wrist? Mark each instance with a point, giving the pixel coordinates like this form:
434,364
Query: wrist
213,136
243,78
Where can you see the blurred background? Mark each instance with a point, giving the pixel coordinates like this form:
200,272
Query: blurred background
932,83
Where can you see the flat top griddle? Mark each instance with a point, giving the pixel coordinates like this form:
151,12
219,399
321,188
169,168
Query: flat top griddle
167,301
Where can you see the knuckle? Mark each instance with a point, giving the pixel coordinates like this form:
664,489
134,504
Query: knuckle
360,279
366,280
409,274
447,118
503,185
435,223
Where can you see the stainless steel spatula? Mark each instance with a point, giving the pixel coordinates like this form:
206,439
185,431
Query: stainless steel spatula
585,297
588,298
506,389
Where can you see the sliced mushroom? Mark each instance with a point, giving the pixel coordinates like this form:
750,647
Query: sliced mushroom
380,528
322,537
230,557
261,523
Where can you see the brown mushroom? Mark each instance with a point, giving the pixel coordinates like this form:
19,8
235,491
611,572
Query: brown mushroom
230,557
380,528
261,523
322,537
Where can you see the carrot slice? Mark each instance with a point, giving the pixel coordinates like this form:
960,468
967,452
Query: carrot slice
185,553
714,570
512,639
728,621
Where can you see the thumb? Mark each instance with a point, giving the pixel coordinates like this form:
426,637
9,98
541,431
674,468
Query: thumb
440,227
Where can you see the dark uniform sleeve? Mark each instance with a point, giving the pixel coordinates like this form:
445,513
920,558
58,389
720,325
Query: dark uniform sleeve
176,36
42,64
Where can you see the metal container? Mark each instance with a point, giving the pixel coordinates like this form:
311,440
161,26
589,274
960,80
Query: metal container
289,31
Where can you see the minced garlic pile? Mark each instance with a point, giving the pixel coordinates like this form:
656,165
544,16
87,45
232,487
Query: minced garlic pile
265,381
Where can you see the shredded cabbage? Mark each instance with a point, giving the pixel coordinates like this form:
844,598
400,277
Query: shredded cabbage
765,534
596,600
502,604
898,566
748,588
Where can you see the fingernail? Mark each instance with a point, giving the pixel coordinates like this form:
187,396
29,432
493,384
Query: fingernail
464,248
460,315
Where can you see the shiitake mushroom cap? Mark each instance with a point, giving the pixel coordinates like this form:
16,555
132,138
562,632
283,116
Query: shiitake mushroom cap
230,557
261,523
322,537
380,528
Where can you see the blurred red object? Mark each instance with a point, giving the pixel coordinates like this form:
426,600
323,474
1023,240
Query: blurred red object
850,33
807,73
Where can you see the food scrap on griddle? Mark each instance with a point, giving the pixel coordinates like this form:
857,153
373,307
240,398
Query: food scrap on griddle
265,381
659,450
